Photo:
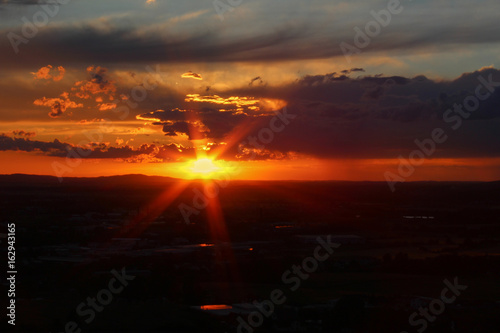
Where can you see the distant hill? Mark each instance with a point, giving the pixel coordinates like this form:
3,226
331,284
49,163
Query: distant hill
23,180
324,188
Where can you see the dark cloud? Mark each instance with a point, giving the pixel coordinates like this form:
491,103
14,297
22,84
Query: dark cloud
55,148
120,45
258,78
298,41
22,133
146,152
193,131
24,2
381,117
163,116
197,124
343,117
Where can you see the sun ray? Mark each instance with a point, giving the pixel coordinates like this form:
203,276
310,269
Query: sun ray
150,212
224,257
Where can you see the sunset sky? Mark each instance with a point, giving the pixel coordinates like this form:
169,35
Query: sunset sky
136,86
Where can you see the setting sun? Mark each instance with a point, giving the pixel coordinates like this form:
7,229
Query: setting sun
204,166
207,168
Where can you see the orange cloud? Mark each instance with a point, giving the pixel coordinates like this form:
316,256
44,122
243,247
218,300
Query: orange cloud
99,83
239,104
234,100
107,106
58,105
92,121
44,73
191,75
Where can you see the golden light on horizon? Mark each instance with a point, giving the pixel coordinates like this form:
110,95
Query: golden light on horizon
208,168
204,166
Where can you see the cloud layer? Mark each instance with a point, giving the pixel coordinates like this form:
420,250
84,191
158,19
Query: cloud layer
338,115
314,31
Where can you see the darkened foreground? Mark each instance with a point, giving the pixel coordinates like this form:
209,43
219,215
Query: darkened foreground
152,254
